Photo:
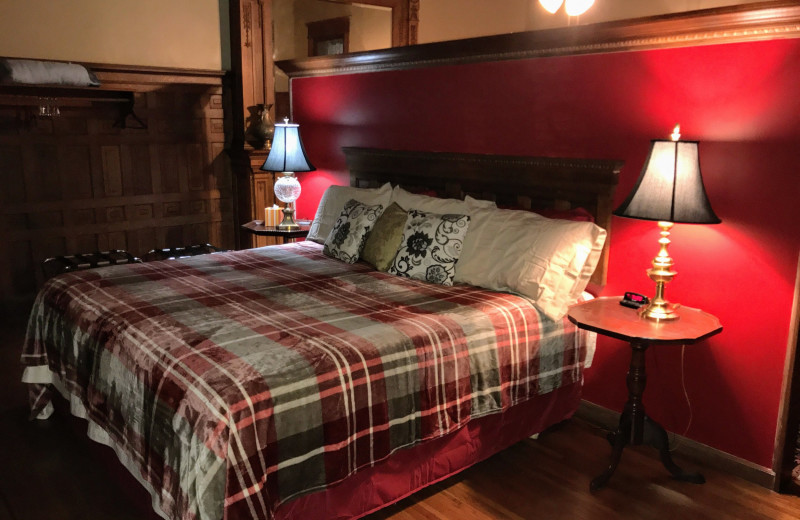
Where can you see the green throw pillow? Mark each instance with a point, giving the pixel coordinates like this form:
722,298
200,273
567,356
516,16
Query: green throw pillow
384,239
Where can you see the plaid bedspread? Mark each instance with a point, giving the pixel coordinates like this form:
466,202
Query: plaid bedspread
233,382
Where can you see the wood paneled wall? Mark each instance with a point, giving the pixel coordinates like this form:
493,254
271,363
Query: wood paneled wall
80,182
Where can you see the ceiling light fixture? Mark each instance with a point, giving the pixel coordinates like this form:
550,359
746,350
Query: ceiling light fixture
572,7
577,7
551,6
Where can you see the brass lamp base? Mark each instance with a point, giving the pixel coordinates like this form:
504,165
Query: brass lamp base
288,223
661,273
660,311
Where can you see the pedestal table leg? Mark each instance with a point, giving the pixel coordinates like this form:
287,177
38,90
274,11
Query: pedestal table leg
636,428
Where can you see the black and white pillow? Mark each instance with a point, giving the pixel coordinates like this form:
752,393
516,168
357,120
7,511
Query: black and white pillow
430,247
349,234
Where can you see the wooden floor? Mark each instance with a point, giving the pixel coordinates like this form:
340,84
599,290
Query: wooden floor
49,470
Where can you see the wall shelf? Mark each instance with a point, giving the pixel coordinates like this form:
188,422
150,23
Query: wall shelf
23,95
72,97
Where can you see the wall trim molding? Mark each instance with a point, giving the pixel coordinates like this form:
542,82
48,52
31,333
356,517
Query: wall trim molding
741,23
115,77
689,449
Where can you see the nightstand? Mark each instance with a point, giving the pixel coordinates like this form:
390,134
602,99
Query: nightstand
273,231
606,316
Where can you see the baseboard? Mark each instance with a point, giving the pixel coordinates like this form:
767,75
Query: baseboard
689,449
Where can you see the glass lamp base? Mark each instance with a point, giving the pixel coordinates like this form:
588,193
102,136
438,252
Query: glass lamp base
287,189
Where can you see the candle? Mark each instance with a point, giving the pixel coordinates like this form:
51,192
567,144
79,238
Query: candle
272,216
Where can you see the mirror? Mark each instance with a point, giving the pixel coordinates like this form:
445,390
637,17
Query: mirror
304,28
373,24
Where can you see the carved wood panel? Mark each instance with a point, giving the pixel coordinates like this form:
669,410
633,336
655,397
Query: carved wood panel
80,183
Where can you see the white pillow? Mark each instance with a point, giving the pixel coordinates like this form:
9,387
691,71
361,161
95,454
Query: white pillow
476,204
547,260
334,199
409,201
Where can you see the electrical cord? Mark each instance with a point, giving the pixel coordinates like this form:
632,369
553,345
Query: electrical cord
676,445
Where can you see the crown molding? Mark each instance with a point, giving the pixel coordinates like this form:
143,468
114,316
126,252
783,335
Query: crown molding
741,23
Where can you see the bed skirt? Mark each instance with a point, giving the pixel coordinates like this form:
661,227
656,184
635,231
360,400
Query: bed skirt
406,471
410,470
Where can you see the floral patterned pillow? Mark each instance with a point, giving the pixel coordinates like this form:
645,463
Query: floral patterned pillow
430,247
349,234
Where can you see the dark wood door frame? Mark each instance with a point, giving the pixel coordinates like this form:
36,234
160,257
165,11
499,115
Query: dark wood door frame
405,18
251,83
789,417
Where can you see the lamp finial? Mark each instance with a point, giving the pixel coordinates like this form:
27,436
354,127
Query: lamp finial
676,133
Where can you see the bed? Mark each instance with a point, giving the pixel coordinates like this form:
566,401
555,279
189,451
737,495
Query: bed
280,382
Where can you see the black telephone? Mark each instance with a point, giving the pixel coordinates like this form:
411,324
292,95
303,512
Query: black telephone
634,300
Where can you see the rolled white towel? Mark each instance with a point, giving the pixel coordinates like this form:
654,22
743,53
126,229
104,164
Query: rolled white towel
35,72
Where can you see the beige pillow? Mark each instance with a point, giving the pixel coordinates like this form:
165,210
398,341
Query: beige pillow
334,199
429,204
384,239
547,260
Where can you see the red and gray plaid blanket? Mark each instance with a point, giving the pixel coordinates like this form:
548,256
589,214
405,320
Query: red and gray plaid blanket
232,382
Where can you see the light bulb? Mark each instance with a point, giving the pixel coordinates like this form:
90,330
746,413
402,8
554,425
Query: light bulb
577,7
551,6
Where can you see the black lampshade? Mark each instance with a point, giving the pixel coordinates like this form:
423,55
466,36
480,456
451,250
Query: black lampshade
670,187
287,153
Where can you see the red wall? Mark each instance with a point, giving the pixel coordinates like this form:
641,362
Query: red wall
742,101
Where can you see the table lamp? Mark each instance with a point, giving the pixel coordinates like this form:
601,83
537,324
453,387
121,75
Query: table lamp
669,190
287,156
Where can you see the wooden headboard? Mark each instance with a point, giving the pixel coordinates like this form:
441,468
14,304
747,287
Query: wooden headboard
511,181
